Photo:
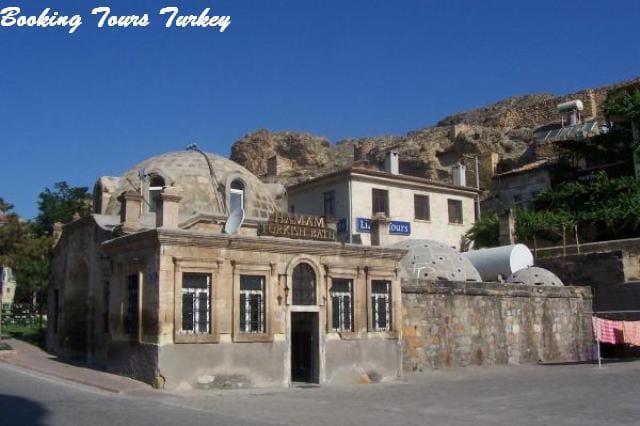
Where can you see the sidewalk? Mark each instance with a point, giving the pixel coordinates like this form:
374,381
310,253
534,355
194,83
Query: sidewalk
33,358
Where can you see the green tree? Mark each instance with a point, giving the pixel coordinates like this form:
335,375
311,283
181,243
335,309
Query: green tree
626,104
27,254
5,207
485,232
60,205
603,209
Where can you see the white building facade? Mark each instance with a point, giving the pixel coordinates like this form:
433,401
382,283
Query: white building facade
415,208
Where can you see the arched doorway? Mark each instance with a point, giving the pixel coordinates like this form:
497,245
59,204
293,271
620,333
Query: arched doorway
304,325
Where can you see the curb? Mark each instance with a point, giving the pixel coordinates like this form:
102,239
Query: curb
47,373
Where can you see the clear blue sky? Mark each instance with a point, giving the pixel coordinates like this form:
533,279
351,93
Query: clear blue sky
75,107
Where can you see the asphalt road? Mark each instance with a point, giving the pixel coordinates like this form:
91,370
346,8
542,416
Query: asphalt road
28,399
526,395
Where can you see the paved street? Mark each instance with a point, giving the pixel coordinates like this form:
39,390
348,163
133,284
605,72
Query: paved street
528,395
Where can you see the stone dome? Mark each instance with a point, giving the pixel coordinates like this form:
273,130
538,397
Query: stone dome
535,276
433,260
205,184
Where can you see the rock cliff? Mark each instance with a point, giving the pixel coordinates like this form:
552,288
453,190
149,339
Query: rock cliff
505,128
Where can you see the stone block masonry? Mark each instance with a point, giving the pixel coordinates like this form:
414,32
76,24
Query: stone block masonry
456,324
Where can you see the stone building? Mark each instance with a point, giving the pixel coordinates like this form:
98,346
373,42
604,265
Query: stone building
152,286
520,186
403,207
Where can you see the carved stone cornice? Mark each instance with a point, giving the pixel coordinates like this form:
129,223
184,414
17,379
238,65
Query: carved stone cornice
178,237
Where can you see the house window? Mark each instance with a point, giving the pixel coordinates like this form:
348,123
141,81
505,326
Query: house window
329,203
196,311
455,211
342,305
380,305
236,195
292,209
156,185
380,201
252,303
421,207
133,299
304,285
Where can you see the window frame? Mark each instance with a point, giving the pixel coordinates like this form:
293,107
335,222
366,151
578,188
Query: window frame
197,292
340,294
459,203
389,306
394,303
417,197
210,267
330,198
247,305
267,271
237,192
313,294
359,320
151,189
380,192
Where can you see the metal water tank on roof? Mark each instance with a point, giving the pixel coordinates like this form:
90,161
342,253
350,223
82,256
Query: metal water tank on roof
498,263
576,105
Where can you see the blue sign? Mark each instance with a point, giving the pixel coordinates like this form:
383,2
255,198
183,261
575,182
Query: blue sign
363,224
342,225
400,228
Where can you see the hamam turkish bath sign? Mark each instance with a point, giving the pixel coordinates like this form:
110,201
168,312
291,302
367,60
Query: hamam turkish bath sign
297,226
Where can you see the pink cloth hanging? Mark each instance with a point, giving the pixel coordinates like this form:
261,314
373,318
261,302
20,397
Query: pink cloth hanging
607,331
631,332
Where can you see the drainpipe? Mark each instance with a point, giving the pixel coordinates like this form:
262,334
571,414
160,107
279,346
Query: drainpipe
350,218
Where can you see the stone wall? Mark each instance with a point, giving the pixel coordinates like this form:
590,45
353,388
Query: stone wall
629,249
608,274
455,324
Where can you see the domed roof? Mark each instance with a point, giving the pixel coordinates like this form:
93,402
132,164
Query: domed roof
535,276
204,184
433,260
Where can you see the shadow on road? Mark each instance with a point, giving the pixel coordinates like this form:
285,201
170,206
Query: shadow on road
15,410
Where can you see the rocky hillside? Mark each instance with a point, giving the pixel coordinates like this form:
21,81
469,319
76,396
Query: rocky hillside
505,127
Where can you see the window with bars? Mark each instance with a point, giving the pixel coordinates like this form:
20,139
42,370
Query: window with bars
196,308
379,201
329,207
133,299
342,305
455,211
252,305
381,305
421,207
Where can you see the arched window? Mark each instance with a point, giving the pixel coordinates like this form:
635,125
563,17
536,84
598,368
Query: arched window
236,195
156,185
304,285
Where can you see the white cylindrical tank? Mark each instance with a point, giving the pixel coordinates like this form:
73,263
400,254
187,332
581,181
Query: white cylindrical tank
497,262
571,105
